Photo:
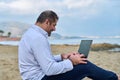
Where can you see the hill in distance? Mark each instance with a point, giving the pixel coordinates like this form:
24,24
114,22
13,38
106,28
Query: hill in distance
18,28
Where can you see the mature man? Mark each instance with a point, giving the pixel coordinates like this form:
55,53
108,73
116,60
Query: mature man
36,61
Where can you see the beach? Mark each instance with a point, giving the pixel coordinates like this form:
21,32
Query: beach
109,60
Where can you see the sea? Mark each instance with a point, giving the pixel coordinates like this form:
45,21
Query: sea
73,41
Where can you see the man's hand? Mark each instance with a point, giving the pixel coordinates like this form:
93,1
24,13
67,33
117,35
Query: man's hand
78,59
67,55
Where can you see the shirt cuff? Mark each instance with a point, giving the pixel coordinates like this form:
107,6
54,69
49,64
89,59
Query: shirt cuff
68,64
58,57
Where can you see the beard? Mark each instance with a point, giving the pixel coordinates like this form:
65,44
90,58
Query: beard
49,33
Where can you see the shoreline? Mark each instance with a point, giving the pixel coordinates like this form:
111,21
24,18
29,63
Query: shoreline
73,41
94,47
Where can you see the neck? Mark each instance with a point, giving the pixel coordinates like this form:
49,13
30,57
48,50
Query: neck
40,25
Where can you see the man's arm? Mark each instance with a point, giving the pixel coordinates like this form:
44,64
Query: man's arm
45,59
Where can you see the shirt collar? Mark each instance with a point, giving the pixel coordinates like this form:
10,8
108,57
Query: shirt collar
39,29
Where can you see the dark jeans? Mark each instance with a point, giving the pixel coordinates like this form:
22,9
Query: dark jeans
84,70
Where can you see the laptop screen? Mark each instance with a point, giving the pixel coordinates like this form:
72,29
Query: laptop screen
84,47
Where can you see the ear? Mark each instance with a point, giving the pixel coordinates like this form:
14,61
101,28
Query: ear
47,22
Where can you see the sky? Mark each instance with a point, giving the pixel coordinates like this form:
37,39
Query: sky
76,17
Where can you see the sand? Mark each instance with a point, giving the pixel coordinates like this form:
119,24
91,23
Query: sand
9,60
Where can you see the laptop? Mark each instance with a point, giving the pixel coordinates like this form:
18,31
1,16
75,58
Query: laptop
84,47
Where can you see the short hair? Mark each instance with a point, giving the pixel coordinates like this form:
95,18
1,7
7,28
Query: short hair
48,14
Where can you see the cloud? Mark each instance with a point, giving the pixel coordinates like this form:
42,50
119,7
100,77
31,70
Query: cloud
27,6
78,3
82,8
17,6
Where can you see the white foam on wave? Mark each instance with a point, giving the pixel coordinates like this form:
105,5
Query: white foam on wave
13,43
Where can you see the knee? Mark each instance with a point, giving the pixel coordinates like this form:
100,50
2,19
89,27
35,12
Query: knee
113,77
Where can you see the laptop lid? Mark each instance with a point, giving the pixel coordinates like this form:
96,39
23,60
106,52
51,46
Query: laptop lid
84,47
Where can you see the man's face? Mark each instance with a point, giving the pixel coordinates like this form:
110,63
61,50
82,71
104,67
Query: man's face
51,27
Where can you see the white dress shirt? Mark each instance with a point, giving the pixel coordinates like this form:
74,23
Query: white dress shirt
35,56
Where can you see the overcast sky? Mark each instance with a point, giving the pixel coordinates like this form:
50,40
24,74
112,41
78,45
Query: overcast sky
76,17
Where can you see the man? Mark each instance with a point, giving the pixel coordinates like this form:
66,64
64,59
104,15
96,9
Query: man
36,61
